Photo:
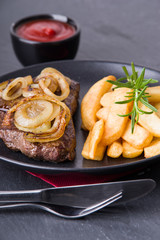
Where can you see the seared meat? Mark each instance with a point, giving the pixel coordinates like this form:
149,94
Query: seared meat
56,151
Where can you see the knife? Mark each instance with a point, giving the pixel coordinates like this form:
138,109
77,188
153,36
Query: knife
83,195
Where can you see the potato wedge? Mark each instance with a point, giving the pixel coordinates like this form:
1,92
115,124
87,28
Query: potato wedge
157,106
107,99
153,149
99,153
103,113
150,122
91,102
85,150
115,125
115,149
129,151
140,138
96,136
93,148
154,93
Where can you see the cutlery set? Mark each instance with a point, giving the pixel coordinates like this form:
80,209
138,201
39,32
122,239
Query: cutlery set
78,201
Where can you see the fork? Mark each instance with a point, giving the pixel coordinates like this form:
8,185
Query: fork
78,201
68,211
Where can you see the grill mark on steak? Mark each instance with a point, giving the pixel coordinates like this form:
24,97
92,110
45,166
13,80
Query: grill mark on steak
55,151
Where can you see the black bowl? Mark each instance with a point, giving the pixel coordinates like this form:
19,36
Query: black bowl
30,52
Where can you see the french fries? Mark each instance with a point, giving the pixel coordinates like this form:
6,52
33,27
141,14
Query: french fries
91,102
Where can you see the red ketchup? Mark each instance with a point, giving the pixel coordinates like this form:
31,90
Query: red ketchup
45,30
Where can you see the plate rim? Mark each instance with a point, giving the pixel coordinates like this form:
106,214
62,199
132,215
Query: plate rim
77,61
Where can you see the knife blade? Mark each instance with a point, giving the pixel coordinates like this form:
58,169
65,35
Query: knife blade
82,196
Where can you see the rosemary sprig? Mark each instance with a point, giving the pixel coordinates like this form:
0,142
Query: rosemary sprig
138,84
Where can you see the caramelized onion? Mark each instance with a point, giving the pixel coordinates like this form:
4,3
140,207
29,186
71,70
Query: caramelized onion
34,89
34,85
51,83
40,114
47,138
28,79
14,89
3,86
33,113
36,121
31,90
59,77
40,129
58,129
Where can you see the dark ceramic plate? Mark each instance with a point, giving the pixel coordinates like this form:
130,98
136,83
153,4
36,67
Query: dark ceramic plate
87,73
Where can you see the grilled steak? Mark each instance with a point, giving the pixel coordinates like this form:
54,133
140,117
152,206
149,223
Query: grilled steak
55,151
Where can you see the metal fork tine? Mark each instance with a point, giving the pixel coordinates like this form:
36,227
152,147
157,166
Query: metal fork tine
100,205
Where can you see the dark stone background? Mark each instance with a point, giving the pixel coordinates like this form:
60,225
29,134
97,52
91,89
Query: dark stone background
119,30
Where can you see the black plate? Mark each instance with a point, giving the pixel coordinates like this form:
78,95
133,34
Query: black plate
87,73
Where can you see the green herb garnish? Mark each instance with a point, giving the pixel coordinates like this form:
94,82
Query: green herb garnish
138,84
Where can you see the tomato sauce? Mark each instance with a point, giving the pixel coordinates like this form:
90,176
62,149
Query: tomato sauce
46,30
